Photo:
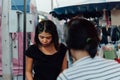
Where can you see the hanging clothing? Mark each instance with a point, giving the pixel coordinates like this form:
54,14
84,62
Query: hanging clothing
106,33
116,34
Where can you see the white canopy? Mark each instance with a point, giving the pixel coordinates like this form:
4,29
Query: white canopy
48,5
63,3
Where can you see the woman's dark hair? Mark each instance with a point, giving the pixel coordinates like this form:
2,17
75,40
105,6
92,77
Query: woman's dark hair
49,27
82,35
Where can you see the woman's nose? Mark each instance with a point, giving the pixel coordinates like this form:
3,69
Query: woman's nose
44,40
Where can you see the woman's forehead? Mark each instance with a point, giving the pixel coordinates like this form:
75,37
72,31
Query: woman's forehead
45,34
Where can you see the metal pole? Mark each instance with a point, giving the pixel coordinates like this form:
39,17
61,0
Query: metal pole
51,5
51,8
6,47
24,40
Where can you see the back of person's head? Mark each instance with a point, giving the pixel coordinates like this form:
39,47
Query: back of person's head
82,35
49,27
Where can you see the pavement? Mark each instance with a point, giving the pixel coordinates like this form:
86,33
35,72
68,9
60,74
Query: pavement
14,78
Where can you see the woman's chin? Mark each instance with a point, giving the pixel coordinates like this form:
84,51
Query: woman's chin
45,45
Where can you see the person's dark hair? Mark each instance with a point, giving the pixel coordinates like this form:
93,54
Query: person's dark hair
49,27
82,35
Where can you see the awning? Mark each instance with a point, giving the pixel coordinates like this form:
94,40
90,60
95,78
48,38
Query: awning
88,10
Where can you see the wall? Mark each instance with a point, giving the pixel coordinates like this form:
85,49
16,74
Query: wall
115,17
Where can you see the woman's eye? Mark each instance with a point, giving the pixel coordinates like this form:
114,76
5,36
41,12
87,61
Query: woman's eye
45,37
41,37
48,37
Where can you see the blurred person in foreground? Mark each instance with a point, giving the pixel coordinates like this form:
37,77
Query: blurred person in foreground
82,42
46,58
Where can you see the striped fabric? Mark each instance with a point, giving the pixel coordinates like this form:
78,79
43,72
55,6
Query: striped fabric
92,69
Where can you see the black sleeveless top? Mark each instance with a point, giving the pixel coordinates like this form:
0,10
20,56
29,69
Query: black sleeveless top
46,67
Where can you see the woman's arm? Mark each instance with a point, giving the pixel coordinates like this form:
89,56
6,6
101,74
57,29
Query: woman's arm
65,63
29,62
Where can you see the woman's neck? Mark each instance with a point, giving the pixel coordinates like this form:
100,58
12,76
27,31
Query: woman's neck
78,54
48,50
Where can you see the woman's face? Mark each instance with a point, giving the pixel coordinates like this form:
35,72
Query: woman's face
45,38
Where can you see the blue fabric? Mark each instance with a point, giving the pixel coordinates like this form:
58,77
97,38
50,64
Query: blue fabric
19,5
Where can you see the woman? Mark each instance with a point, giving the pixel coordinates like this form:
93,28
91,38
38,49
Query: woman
46,56
82,42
